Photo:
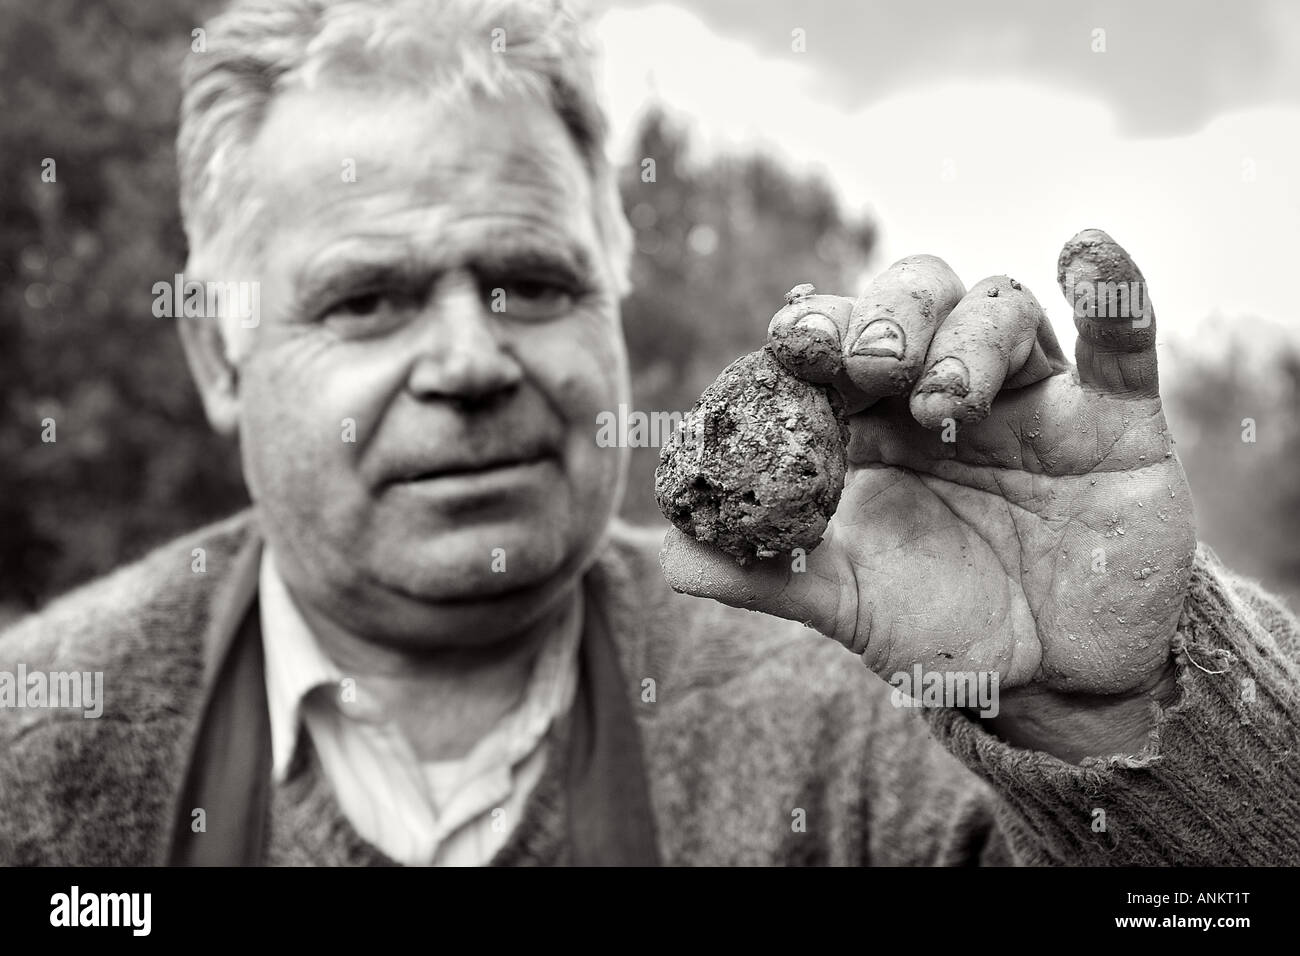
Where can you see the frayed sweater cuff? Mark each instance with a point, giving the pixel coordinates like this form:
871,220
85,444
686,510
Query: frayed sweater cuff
1219,780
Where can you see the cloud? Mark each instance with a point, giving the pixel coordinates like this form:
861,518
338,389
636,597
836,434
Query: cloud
1169,66
995,173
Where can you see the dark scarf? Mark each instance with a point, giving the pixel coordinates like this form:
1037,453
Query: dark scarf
229,768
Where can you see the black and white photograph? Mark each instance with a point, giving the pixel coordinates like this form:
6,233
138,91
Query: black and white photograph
689,433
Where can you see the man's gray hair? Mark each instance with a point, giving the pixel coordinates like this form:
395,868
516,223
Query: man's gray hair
452,48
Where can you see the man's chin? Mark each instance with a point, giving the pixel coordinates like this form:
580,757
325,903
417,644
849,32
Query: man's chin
457,585
399,621
474,564
477,610
473,583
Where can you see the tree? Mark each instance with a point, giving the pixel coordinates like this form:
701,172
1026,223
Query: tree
718,244
94,89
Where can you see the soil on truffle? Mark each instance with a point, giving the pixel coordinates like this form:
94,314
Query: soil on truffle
758,465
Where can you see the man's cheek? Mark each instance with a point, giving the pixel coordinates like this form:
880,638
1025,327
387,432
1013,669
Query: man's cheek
303,432
581,365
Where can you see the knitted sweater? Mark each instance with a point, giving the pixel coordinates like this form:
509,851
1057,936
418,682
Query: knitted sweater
765,742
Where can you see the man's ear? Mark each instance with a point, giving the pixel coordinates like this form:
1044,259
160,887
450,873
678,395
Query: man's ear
214,374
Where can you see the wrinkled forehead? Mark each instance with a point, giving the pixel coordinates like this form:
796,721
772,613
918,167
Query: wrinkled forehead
326,155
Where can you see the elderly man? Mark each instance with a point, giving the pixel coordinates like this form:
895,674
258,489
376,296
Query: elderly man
429,642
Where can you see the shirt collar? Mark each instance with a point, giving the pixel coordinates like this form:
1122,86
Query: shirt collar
296,666
295,663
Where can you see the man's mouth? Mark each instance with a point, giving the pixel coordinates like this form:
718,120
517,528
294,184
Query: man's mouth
472,467
481,486
477,480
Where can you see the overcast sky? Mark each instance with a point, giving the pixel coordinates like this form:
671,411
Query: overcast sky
989,133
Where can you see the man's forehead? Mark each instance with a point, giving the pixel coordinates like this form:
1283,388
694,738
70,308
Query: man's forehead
319,147
412,256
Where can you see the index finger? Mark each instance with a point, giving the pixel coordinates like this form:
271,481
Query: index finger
893,322
871,347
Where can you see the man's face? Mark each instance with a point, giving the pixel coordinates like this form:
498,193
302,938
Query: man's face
418,405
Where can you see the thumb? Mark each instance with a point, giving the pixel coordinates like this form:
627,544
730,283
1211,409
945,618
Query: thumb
799,587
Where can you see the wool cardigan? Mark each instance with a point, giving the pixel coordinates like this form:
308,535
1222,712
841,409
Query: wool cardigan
763,742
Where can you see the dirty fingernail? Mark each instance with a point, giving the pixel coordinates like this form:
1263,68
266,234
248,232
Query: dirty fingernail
810,348
946,375
883,338
818,323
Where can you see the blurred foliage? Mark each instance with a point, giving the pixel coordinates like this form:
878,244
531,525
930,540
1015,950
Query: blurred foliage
1247,493
94,87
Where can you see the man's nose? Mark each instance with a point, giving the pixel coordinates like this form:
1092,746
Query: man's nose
461,353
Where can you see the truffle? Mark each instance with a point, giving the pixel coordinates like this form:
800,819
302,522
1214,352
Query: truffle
758,465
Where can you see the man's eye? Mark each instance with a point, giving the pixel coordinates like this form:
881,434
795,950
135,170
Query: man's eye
358,305
532,298
367,313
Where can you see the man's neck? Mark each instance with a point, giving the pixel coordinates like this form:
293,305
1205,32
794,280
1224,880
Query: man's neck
445,700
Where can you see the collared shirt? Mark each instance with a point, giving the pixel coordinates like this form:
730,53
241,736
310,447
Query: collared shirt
446,813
